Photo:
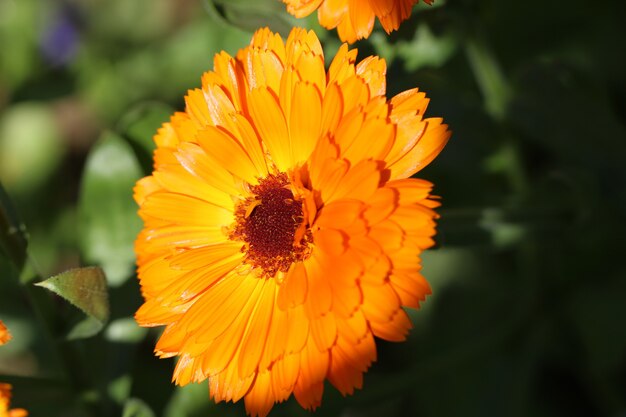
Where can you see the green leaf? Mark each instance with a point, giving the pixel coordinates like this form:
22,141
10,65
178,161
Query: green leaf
189,400
252,14
427,49
107,213
86,289
139,126
18,23
13,239
134,407
125,330
31,147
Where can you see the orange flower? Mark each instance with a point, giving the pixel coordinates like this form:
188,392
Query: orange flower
5,336
5,402
354,19
282,232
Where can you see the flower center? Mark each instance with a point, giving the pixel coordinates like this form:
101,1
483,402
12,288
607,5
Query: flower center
271,223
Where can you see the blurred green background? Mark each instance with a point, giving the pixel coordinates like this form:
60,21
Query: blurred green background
528,312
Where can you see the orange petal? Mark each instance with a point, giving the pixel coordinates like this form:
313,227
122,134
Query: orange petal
258,326
223,147
227,386
331,12
361,17
319,300
324,331
359,183
331,242
178,180
270,122
5,336
410,286
260,399
220,106
313,369
195,160
263,69
305,121
197,109
427,148
293,290
182,209
332,109
302,8
284,375
251,143
143,188
374,70
340,214
394,330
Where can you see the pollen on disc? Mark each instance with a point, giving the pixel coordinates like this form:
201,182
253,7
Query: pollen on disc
268,222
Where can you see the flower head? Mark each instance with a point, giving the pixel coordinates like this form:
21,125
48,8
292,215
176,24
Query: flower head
354,19
5,336
5,402
282,230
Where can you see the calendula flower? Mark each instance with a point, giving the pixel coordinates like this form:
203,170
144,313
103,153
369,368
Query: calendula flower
5,402
354,19
5,336
282,230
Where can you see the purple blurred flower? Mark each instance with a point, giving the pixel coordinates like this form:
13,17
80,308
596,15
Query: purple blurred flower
59,40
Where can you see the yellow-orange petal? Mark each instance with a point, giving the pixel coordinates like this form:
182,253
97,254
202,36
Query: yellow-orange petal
183,209
361,17
5,336
229,74
427,147
5,403
293,290
269,120
314,366
229,152
354,19
304,121
331,12
301,8
204,166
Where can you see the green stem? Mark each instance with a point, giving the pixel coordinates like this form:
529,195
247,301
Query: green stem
489,76
497,93
212,11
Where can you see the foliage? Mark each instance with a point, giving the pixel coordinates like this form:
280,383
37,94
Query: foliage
527,311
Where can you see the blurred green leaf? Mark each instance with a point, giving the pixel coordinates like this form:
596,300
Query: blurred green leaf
31,147
13,239
107,213
492,80
86,289
192,400
125,330
251,15
139,126
134,407
190,52
427,49
128,21
119,388
18,31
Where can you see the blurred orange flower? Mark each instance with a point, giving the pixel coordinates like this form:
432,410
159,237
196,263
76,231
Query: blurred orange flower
282,230
5,402
354,19
5,336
